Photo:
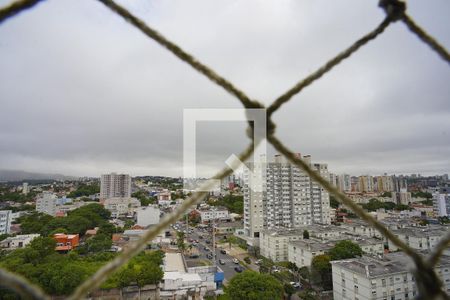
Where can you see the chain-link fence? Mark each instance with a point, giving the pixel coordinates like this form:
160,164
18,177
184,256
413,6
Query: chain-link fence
428,282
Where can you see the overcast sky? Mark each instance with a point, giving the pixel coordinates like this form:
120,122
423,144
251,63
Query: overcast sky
83,93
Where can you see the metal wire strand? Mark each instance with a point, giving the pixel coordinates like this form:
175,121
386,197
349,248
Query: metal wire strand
21,286
15,8
426,38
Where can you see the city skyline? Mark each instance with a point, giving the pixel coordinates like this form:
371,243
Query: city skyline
119,110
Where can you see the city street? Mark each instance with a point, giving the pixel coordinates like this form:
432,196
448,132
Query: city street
228,267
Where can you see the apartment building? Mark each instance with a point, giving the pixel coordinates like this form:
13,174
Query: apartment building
360,228
46,204
115,186
344,183
274,243
380,278
25,188
419,238
302,252
402,197
384,183
290,198
120,207
441,204
365,184
5,221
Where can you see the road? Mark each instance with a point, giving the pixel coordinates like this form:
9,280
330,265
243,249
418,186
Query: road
228,267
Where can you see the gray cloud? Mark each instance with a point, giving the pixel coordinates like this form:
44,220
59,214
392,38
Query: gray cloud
82,92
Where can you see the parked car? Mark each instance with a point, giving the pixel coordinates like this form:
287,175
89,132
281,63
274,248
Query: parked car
221,261
235,260
194,256
223,251
296,285
206,248
238,269
208,241
209,256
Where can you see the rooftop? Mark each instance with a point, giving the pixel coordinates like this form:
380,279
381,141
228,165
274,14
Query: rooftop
173,262
390,263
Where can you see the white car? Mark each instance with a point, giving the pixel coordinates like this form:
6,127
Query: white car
296,285
235,260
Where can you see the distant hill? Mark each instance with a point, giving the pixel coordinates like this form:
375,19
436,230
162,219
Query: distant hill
16,175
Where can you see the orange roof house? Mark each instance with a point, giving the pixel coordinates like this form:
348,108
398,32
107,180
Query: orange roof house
66,242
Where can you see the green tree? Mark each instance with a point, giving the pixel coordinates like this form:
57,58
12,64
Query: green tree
333,202
180,241
44,246
305,234
386,195
427,202
321,270
250,285
345,249
85,190
98,243
304,273
34,222
401,207
107,229
289,290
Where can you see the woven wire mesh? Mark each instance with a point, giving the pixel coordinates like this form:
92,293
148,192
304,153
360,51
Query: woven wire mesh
428,282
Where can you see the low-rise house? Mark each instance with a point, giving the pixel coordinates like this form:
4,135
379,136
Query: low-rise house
419,238
66,242
226,228
386,277
91,232
18,241
180,282
216,213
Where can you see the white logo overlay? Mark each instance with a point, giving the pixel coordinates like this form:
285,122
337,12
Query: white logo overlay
190,118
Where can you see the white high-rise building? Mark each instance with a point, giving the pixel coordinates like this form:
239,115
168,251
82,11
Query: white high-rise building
115,186
46,204
290,198
5,221
441,204
25,189
344,183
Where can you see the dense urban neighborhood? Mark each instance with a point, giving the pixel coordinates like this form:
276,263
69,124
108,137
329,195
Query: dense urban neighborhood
293,241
